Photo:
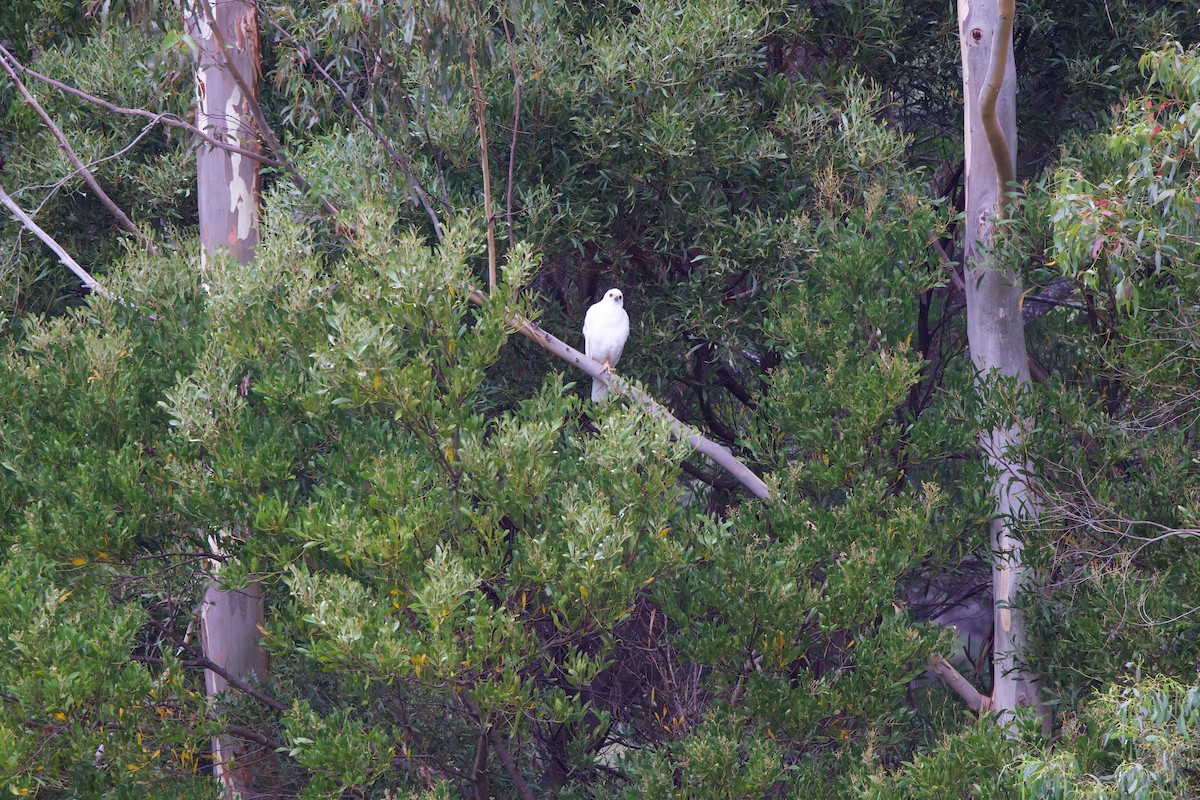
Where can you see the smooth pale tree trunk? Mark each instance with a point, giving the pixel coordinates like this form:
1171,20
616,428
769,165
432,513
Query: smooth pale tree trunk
995,331
227,183
226,33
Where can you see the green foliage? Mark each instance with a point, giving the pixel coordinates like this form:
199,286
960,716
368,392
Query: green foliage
88,524
151,180
722,760
459,553
1133,741
348,753
1119,485
859,508
1126,210
975,762
28,24
440,567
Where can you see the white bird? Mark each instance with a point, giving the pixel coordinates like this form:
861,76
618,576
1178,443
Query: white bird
605,331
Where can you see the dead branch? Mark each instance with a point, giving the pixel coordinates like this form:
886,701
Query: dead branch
48,240
715,452
251,735
707,477
1082,512
510,766
170,120
122,218
406,169
977,702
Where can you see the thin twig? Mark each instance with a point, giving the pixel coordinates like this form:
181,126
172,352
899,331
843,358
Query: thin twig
170,120
61,182
122,218
516,125
481,123
406,169
423,122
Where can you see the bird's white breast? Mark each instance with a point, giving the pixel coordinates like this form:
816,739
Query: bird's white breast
605,331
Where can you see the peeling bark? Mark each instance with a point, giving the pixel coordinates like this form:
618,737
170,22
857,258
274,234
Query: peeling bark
227,183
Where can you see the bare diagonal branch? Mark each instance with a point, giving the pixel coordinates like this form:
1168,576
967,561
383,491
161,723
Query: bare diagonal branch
706,447
170,120
122,218
49,241
954,679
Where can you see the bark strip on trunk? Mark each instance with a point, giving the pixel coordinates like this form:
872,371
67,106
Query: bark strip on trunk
227,185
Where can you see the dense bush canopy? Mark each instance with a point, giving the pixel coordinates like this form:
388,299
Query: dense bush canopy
479,583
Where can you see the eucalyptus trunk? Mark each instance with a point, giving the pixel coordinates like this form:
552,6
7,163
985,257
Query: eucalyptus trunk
228,189
227,186
995,330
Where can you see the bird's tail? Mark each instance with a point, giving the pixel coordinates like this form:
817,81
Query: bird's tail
599,390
